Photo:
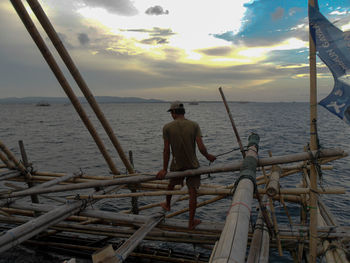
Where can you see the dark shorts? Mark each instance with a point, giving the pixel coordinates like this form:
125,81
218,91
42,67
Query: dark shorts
191,181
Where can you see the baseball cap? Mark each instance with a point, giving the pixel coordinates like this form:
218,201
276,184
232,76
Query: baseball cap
176,105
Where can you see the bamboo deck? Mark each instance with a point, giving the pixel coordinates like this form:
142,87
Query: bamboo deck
60,211
52,220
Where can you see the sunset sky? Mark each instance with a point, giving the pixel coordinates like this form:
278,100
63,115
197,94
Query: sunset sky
257,50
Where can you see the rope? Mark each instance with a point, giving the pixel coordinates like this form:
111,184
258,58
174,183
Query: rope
120,257
221,154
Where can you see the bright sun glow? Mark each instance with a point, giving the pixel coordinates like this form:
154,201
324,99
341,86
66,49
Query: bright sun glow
187,20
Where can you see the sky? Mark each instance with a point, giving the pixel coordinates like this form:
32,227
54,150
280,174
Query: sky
256,50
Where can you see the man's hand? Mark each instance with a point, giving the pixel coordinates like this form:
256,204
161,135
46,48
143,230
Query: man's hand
161,174
211,157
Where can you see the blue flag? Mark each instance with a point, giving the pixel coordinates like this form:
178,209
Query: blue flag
333,47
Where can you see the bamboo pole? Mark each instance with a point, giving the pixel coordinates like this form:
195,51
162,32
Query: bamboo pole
313,140
273,186
50,31
10,175
6,161
201,170
35,198
232,122
274,218
233,240
259,246
13,159
129,245
289,191
28,23
22,168
24,232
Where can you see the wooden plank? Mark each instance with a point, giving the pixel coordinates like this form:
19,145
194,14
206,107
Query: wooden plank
104,255
128,246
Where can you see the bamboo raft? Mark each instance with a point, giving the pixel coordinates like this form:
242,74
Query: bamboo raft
55,210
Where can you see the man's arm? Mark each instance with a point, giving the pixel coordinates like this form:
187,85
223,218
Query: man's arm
203,149
166,156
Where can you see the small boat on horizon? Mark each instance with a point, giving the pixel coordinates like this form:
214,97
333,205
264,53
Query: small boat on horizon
43,104
193,103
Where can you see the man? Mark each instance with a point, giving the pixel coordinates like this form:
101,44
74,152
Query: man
182,135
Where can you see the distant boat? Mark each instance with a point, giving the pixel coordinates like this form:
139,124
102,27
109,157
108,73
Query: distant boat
43,104
193,103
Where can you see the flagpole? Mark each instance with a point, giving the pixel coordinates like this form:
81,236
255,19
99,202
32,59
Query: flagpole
313,144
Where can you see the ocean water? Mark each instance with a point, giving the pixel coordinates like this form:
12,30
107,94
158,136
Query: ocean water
56,140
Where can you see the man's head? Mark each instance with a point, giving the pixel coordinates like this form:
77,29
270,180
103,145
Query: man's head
177,107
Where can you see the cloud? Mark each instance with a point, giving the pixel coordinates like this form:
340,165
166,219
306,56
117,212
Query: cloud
155,41
155,31
158,35
120,7
278,14
83,39
217,51
156,10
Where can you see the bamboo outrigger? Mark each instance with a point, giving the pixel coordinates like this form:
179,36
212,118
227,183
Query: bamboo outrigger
109,236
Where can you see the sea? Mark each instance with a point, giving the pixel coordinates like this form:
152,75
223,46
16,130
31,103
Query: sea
56,140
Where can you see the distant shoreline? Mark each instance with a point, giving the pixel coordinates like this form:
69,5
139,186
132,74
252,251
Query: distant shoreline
63,100
107,99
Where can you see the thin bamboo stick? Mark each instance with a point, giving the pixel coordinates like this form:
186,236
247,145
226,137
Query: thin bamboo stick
28,23
62,51
206,202
232,122
298,168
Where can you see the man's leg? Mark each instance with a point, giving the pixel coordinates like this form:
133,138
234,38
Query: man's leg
172,182
166,205
192,222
